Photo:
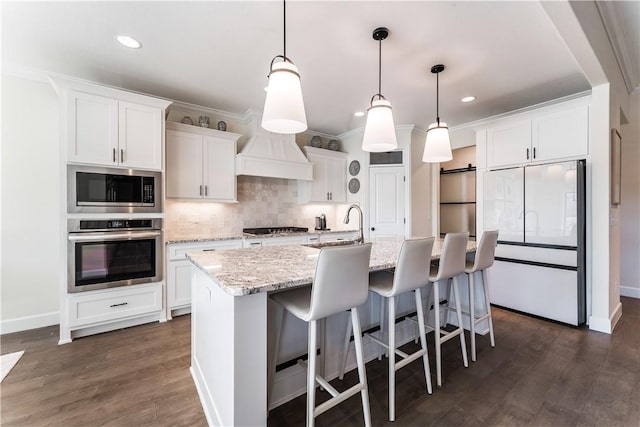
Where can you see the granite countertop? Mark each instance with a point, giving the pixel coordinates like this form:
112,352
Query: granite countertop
196,238
248,271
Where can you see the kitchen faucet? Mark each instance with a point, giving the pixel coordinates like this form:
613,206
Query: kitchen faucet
346,221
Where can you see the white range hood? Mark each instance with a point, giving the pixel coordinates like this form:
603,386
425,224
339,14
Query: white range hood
272,155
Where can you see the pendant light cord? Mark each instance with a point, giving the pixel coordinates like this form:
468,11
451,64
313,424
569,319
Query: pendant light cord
380,67
284,25
438,98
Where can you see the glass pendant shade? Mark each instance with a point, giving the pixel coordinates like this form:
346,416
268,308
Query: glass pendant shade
284,107
437,148
379,130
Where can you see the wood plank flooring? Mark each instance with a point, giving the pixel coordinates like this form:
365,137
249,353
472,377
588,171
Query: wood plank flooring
539,374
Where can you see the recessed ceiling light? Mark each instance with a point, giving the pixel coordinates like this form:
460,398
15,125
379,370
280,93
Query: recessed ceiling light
359,113
129,42
468,99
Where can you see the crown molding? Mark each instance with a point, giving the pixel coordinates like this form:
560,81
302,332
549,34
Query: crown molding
187,107
615,29
27,73
482,122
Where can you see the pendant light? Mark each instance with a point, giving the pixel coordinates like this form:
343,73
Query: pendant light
437,148
379,130
283,106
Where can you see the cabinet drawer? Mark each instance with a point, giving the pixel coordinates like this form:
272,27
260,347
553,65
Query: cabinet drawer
114,304
177,252
336,237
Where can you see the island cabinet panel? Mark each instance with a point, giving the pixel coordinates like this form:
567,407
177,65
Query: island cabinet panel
229,343
201,163
111,132
553,133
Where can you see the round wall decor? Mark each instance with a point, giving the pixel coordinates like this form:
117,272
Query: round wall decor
354,185
354,168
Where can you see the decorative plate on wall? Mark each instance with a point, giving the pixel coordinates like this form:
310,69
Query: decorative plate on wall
354,185
354,168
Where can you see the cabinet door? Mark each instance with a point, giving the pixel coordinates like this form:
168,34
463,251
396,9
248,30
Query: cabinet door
509,144
140,136
93,129
318,188
179,283
561,134
338,180
184,165
219,169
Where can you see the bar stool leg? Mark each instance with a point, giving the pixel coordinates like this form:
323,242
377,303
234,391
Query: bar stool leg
459,316
362,373
447,308
392,358
485,288
472,315
345,348
436,330
311,374
423,340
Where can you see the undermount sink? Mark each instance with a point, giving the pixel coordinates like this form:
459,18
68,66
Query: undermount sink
336,243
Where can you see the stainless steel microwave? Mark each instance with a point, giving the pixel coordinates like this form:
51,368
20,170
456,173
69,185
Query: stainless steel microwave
109,190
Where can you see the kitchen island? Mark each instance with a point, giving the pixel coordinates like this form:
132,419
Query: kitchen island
230,317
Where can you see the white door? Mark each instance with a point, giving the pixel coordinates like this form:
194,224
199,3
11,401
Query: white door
318,187
386,194
220,169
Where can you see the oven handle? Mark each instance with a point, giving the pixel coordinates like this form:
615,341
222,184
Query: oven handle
83,237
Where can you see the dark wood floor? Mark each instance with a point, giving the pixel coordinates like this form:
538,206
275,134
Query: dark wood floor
539,374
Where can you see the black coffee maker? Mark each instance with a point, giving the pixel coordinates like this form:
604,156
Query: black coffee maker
321,222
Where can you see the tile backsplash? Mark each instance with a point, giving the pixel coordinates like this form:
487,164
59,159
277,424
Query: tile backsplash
262,202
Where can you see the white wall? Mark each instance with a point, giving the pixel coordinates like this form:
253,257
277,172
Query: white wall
630,207
30,182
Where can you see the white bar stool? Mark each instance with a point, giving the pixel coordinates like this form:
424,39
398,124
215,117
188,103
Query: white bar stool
341,283
484,258
411,274
451,265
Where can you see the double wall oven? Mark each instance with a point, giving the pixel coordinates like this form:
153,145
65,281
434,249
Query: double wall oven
106,248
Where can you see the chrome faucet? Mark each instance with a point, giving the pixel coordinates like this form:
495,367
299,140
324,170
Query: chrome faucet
346,221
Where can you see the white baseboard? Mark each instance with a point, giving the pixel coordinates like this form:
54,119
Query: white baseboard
605,325
628,291
29,322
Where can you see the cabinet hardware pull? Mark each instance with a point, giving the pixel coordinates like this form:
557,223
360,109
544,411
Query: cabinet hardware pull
330,196
527,154
254,244
121,155
118,305
206,190
201,190
208,250
327,195
534,152
114,155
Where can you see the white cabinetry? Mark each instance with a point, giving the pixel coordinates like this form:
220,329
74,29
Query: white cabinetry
105,129
329,177
179,269
201,163
277,241
339,236
555,133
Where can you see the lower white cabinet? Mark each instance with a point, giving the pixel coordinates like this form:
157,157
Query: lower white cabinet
276,241
98,307
179,269
339,236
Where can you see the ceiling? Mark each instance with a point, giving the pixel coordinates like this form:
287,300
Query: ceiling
217,54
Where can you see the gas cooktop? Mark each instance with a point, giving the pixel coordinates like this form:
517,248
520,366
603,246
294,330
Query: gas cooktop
275,230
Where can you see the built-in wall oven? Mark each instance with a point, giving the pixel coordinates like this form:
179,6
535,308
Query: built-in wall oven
108,190
105,253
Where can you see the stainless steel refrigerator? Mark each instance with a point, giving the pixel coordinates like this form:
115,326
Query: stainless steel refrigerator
540,259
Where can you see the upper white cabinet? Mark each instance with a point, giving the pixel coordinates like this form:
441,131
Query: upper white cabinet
548,134
329,183
110,127
200,163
